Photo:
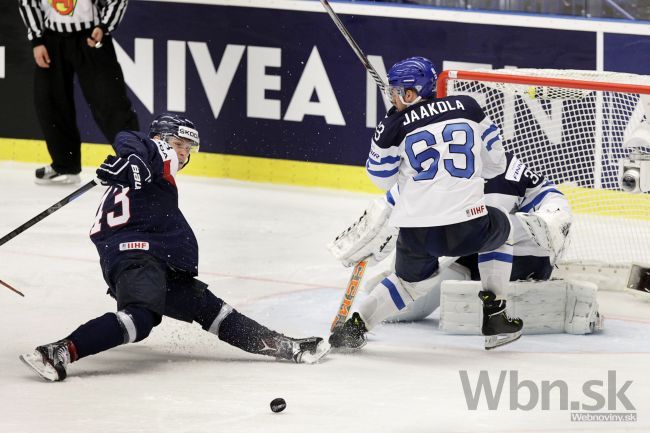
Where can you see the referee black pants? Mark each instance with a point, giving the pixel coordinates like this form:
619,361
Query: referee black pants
102,83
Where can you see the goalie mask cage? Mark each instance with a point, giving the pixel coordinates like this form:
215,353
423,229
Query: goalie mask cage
575,127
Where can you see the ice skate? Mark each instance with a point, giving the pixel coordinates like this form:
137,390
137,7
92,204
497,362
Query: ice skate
50,361
48,176
302,350
498,328
351,335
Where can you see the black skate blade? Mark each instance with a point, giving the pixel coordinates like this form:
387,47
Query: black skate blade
494,341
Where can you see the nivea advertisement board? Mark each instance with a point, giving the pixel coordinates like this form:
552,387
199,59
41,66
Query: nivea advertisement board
276,79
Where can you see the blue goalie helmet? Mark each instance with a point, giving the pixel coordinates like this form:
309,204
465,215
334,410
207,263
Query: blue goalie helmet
415,73
168,124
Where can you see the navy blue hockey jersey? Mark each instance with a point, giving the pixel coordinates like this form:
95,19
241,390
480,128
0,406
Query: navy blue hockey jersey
146,219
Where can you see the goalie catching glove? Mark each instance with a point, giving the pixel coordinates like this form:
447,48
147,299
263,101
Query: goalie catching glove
369,238
549,229
130,172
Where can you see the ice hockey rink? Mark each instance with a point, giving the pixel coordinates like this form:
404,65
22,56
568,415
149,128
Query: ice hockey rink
262,249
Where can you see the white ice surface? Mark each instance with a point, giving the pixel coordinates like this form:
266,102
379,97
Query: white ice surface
262,250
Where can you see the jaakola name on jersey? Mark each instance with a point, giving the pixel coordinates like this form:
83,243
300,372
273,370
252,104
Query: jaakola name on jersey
431,109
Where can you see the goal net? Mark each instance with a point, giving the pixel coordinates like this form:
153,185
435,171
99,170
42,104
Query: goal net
575,127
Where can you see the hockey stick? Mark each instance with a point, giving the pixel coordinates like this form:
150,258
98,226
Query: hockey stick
12,288
349,295
50,210
355,47
359,269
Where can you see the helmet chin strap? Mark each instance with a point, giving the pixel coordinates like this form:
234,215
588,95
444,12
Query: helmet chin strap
408,104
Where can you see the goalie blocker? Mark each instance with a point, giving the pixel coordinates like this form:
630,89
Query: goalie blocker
547,307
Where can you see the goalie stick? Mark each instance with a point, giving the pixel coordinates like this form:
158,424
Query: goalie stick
355,47
349,295
50,210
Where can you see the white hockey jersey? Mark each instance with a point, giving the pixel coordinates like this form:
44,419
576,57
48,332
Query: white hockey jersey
438,152
518,189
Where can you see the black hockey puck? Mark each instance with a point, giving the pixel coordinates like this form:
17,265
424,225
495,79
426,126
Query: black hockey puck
278,405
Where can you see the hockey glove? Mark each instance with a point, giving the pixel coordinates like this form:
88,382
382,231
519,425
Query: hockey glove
370,237
130,172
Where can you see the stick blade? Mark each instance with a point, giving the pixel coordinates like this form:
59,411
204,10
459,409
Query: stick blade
13,289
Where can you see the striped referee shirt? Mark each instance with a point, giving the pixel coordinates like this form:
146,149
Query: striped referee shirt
69,16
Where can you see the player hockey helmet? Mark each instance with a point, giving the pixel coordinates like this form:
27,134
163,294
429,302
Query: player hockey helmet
417,73
168,124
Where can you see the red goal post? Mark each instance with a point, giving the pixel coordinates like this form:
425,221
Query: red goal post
577,128
569,83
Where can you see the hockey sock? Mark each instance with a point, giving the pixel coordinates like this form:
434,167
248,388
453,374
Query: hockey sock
216,316
386,300
495,268
209,307
113,329
97,335
246,334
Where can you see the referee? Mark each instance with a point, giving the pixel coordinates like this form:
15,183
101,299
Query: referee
71,37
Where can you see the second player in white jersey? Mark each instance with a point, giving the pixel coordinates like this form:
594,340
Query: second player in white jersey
439,151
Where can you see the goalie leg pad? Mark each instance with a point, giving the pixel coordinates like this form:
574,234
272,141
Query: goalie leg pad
546,307
582,316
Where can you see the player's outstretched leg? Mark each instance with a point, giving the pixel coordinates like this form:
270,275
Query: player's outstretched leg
498,328
351,335
50,361
246,334
236,329
129,325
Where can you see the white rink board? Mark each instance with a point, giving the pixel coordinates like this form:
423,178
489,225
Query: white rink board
262,249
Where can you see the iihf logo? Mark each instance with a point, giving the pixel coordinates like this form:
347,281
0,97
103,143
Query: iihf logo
476,211
138,245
